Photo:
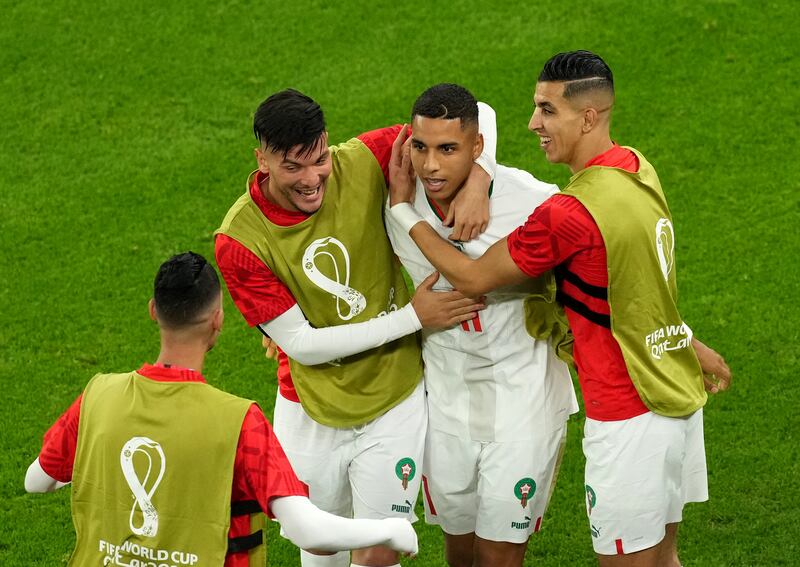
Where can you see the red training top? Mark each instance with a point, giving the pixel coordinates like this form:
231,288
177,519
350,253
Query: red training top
561,234
261,470
256,291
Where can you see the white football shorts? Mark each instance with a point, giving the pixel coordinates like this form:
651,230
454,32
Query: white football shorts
369,471
639,474
498,490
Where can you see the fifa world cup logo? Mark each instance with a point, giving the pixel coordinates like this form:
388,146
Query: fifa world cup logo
150,453
333,250
665,246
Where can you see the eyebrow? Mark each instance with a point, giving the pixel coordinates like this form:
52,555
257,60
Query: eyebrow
287,161
418,141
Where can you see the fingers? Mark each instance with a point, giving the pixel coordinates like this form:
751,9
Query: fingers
270,348
463,231
429,282
451,216
710,383
397,146
460,232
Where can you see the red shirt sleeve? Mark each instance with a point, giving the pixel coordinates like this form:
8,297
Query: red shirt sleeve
58,450
256,291
380,144
261,470
557,229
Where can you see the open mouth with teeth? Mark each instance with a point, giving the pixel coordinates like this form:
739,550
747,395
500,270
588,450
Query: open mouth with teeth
434,184
544,141
308,193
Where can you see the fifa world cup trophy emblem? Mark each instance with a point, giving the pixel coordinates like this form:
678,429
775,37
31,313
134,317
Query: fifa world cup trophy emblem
143,481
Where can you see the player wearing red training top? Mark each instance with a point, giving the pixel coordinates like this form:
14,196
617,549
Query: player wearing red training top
155,463
306,259
610,239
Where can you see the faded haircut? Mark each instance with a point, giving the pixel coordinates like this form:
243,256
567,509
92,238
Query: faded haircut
185,286
447,101
288,119
582,71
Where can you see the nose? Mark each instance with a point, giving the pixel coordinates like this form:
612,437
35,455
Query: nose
535,122
431,164
310,177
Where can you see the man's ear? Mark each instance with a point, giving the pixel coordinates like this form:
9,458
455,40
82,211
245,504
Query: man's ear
478,149
217,319
261,160
590,116
151,308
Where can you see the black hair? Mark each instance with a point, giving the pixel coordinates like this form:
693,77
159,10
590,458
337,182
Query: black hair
185,286
448,101
583,71
287,119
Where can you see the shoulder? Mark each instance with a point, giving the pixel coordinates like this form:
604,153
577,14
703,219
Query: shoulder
517,181
518,190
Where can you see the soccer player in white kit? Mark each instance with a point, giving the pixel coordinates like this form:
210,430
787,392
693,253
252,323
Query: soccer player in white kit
498,399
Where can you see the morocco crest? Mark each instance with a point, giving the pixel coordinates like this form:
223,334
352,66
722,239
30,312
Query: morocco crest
591,499
524,490
405,469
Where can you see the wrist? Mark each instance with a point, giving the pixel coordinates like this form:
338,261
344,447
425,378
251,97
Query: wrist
405,215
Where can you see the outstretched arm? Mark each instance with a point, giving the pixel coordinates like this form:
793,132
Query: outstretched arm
308,345
310,528
257,292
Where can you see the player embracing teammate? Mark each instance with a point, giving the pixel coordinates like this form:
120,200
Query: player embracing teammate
642,373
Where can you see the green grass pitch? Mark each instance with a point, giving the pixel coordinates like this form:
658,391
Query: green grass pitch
125,135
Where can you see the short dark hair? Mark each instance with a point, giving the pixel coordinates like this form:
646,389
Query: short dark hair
448,101
582,71
287,119
185,286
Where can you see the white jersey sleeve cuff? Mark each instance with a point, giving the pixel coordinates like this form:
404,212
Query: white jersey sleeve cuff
405,215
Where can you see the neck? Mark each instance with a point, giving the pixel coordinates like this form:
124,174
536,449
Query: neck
443,205
590,150
188,354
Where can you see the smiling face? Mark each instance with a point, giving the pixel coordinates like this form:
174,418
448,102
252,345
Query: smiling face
297,180
442,153
559,123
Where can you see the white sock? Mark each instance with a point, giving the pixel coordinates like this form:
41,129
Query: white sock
341,559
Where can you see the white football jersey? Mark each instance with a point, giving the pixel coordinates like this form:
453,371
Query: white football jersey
488,379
